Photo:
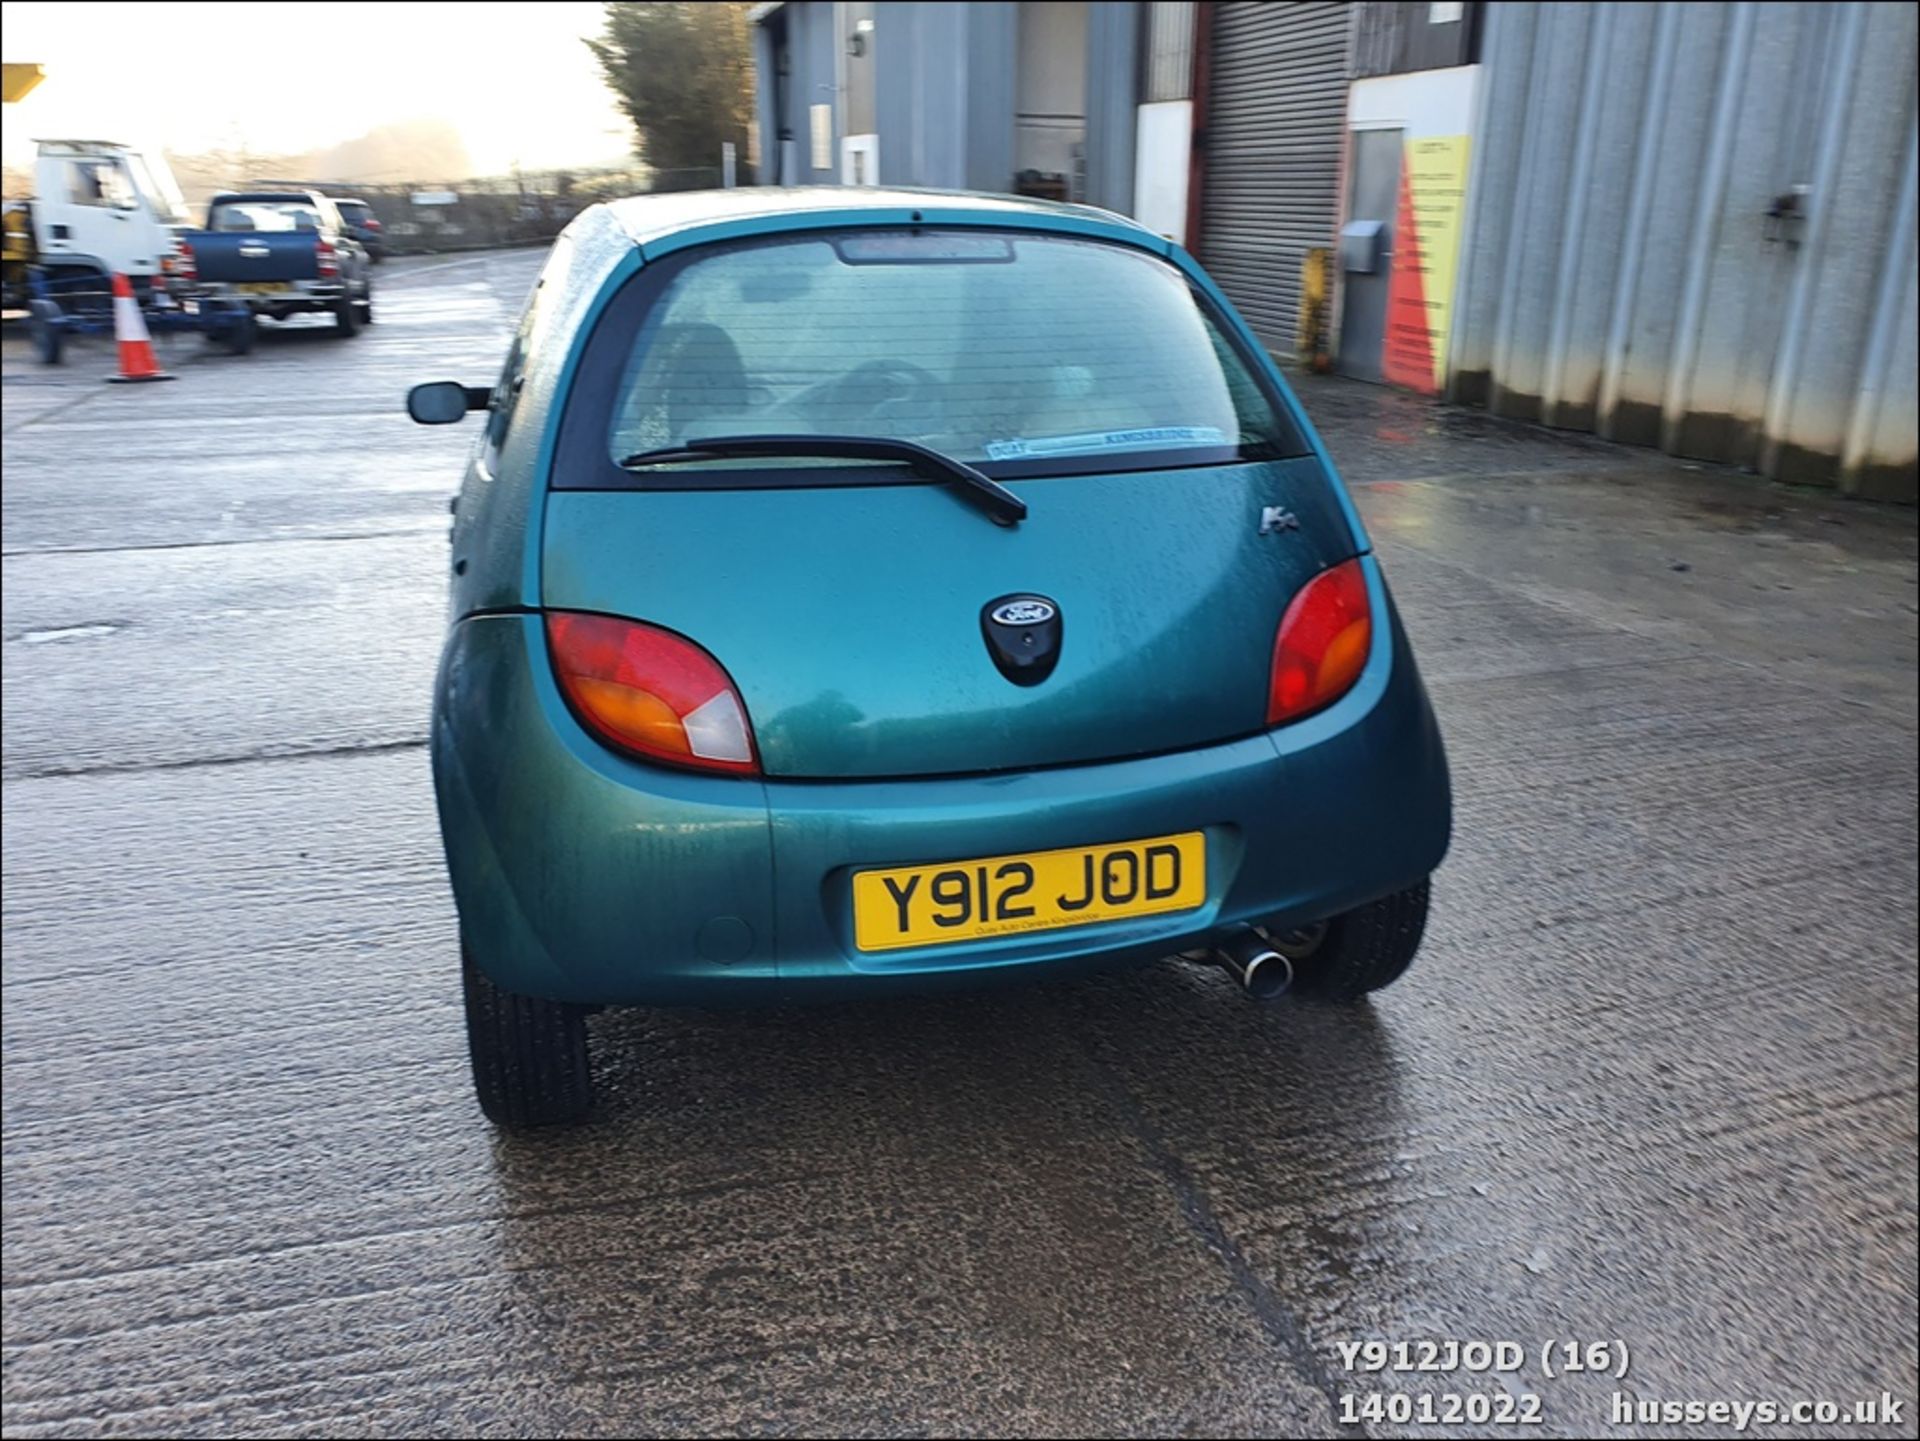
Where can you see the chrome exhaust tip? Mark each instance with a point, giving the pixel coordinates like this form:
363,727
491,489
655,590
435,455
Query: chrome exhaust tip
1263,973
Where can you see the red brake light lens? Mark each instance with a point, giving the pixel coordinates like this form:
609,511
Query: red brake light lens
323,249
653,693
1322,644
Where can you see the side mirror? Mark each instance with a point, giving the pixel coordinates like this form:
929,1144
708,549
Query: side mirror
442,402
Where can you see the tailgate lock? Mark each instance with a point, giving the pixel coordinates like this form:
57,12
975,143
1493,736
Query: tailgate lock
1023,636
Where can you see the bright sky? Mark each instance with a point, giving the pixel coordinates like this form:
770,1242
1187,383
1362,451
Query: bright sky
513,78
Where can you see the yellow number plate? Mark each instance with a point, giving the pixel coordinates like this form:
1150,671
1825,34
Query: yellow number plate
261,287
1041,891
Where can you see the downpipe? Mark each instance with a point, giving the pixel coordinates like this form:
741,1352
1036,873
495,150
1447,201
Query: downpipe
1263,973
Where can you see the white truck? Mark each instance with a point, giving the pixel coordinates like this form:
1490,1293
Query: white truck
99,207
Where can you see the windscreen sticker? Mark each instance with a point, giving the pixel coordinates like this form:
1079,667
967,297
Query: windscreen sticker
1106,440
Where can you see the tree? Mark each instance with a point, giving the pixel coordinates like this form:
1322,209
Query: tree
684,76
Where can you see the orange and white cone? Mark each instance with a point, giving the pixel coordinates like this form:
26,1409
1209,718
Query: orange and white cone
130,330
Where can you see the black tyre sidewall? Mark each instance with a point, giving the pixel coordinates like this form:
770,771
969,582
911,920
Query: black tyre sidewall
1366,948
48,337
529,1055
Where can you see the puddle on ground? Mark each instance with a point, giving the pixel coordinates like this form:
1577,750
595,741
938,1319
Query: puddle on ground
71,632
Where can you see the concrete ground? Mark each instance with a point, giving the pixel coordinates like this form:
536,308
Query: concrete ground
1653,1079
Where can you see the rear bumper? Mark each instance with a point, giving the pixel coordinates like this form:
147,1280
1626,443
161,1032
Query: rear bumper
582,876
296,295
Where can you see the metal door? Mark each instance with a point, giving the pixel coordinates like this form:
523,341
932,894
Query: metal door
1366,250
1272,129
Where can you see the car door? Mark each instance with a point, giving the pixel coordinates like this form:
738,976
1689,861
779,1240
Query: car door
100,220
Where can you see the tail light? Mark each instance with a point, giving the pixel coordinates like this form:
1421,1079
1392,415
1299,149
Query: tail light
370,223
1322,644
328,260
180,265
651,692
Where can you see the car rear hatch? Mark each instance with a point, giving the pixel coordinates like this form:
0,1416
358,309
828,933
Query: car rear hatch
1173,507
851,619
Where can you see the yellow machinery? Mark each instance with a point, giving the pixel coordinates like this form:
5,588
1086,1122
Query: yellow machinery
17,253
17,80
15,83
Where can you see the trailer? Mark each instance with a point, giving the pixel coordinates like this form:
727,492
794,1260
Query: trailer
68,305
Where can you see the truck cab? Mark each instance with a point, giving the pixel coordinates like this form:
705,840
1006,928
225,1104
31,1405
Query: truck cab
103,207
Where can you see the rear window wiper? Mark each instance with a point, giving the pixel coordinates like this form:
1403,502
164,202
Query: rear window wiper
1001,504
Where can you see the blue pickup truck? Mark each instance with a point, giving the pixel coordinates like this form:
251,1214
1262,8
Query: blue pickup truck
280,253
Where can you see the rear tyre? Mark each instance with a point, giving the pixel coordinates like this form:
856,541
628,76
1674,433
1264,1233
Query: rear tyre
49,337
1358,951
365,309
529,1055
346,319
238,337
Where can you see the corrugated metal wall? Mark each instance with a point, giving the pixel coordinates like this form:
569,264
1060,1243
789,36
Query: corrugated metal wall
924,82
785,101
1113,64
945,80
1622,272
1275,112
1169,51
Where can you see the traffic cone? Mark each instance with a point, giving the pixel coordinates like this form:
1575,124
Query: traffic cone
130,330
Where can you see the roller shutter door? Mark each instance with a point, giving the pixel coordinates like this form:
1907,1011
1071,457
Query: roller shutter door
1276,111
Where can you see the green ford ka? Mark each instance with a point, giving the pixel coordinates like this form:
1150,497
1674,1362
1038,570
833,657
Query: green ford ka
857,590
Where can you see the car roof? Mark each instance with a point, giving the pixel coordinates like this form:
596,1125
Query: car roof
303,196
651,217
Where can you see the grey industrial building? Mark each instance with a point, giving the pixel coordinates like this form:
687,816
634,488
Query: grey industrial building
1683,225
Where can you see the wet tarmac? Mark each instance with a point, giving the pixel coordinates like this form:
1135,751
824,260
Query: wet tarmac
1652,1080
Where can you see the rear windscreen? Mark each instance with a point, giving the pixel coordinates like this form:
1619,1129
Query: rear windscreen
1023,353
268,215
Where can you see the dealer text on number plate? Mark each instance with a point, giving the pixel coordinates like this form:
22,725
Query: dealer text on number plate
1040,891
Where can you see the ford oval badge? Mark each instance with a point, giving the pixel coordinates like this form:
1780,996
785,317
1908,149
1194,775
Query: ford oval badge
1025,611
1023,636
